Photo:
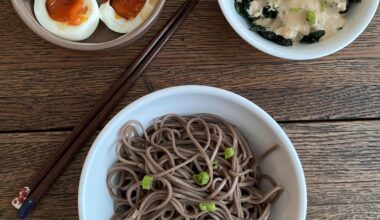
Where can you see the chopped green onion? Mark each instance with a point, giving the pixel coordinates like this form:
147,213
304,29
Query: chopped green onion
207,206
147,182
311,17
229,152
215,164
202,178
323,5
295,10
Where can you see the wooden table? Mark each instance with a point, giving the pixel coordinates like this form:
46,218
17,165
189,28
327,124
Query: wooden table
329,107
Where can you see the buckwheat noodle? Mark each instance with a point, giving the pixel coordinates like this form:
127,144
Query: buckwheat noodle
174,149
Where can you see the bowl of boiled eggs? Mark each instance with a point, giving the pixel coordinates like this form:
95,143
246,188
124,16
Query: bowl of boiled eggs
89,24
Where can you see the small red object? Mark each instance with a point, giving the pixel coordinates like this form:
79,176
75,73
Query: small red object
22,195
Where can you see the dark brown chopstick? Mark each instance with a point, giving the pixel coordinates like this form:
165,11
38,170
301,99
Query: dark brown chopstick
99,105
85,129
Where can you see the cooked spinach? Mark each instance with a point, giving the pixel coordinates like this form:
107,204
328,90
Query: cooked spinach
242,8
349,4
313,37
270,13
256,28
269,35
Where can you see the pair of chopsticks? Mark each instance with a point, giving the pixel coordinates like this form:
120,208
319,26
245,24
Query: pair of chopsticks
80,135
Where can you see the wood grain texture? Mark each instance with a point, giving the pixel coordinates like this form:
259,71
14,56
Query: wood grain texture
44,87
45,90
340,160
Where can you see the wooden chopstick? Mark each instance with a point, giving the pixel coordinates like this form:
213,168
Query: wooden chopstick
99,105
86,128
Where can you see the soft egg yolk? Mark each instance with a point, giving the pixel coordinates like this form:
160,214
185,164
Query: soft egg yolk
127,9
72,12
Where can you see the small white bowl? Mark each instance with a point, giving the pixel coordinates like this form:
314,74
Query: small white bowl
94,200
358,18
103,38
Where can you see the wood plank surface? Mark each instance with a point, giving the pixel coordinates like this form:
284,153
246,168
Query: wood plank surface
330,107
44,87
340,161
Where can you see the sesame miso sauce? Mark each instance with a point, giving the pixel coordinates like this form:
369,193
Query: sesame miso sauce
295,21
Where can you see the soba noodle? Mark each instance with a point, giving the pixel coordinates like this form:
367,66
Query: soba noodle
175,149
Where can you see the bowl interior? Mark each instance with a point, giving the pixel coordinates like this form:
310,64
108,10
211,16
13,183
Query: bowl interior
257,126
102,38
358,18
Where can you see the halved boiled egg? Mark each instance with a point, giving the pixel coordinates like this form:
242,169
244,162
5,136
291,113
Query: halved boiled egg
124,16
70,19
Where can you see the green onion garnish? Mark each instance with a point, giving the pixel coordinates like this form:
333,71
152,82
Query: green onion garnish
229,152
215,164
207,206
311,17
147,182
201,178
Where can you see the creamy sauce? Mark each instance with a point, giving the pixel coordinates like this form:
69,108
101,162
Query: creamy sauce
256,8
72,12
341,5
291,21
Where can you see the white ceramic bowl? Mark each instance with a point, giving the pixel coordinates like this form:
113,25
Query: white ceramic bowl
358,18
103,38
258,127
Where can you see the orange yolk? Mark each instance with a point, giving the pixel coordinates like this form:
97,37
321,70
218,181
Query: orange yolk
127,9
71,12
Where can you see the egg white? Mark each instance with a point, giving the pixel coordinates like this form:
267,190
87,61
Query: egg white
121,25
66,31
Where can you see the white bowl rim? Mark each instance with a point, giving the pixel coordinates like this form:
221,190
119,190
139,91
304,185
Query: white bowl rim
246,35
186,89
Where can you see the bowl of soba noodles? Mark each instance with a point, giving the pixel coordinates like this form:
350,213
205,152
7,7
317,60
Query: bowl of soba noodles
192,152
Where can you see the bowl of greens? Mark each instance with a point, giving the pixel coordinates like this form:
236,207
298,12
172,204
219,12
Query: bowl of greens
299,30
